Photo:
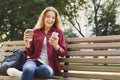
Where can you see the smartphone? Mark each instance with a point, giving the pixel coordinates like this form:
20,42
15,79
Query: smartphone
54,35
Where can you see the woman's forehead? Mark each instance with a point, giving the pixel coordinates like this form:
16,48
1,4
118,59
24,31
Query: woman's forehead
50,13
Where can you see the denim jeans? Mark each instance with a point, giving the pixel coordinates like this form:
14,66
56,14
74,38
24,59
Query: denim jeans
36,69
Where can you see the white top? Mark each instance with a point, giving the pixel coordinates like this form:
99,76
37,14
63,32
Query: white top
44,56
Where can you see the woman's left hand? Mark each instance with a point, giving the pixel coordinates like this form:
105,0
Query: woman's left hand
54,42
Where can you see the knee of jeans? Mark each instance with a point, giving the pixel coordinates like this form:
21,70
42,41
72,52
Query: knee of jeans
48,69
50,76
45,71
28,68
49,72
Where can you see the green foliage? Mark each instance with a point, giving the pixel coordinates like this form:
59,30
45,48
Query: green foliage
72,14
17,15
69,33
104,18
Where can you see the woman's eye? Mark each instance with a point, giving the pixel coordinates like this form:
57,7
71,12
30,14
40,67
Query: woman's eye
53,17
48,16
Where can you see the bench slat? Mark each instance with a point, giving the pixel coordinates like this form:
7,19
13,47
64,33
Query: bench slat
92,60
11,43
115,38
18,78
11,48
93,53
92,68
82,53
7,53
94,76
94,46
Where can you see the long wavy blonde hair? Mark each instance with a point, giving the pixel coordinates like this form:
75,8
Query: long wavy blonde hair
40,22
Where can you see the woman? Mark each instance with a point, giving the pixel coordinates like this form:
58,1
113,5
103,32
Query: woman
44,50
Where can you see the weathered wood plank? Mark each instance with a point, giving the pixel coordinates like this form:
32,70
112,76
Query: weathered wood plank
92,60
11,48
92,68
94,53
18,78
11,43
93,46
113,38
94,76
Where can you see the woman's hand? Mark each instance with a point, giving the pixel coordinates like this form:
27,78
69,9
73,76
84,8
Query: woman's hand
54,42
28,35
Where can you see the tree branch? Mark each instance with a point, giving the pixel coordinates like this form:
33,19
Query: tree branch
77,29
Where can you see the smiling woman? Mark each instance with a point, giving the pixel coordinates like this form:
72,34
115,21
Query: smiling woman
41,19
43,50
49,19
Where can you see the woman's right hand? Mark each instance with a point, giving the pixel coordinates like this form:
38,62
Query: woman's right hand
28,35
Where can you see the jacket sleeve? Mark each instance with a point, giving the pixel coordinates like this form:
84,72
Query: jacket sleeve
62,50
30,50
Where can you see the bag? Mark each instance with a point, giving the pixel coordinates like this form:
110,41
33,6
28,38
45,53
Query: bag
16,60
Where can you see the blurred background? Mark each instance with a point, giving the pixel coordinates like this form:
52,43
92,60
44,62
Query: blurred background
80,18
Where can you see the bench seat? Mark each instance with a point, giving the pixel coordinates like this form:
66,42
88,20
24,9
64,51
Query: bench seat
90,58
18,78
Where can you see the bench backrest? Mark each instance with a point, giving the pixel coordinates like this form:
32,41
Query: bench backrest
9,46
86,57
93,57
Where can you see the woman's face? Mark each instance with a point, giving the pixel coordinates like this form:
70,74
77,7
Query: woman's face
49,19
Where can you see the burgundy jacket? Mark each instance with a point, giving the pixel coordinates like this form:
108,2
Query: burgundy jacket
35,48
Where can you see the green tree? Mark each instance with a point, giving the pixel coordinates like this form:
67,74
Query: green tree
73,13
104,17
17,15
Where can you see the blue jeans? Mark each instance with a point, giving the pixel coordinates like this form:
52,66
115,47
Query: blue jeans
36,69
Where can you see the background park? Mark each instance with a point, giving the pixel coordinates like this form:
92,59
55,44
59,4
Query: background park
80,18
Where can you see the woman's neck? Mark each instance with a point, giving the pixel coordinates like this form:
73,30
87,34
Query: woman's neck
46,30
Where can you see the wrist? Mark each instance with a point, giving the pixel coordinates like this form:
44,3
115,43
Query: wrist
27,44
57,47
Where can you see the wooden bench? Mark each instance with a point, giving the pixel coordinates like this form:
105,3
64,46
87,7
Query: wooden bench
90,58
